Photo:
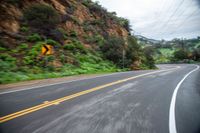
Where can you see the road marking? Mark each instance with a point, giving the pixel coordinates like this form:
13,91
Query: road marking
60,100
172,121
45,102
34,87
30,88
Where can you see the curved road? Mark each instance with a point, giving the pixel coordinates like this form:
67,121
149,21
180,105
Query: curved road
152,101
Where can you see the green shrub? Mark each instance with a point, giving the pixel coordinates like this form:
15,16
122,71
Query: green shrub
73,33
88,58
65,35
28,60
15,51
91,26
86,2
63,58
7,57
75,46
2,44
98,22
71,9
180,54
52,42
97,39
112,49
75,20
50,68
34,38
144,66
148,57
41,17
13,1
95,7
87,28
7,62
8,77
84,58
33,53
7,66
2,49
36,49
79,46
22,46
133,51
24,69
70,47
50,58
24,29
125,23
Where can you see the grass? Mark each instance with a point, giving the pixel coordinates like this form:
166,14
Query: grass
88,64
164,56
11,77
197,45
166,51
27,63
32,66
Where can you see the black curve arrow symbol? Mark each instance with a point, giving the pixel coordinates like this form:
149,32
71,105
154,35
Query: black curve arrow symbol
47,49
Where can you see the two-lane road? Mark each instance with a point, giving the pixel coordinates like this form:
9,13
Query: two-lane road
151,101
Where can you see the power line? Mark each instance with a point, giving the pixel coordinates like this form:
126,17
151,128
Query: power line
181,15
157,27
172,15
162,7
165,25
185,20
175,17
183,11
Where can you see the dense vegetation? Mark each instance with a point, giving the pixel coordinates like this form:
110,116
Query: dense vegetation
40,26
178,51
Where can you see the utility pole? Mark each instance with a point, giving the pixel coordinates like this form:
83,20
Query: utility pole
123,57
182,43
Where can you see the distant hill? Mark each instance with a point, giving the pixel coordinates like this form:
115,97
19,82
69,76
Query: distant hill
166,51
145,40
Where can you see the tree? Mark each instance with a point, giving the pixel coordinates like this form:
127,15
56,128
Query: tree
196,54
148,54
113,49
125,23
180,54
133,51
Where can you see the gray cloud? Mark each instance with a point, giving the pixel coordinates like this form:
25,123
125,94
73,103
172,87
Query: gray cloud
198,3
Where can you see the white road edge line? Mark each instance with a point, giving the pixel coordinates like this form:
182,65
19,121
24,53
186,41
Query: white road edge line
172,121
30,88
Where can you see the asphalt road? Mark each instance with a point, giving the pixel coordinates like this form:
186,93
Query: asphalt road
151,101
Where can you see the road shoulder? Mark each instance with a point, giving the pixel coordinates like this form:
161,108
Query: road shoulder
45,82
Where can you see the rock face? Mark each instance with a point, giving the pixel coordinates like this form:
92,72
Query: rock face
10,16
81,22
80,16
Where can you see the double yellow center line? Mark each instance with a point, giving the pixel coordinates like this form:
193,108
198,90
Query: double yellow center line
60,100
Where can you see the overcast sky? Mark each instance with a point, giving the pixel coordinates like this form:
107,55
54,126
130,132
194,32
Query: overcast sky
159,19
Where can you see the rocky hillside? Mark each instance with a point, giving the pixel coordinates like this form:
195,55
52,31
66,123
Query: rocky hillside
85,19
84,35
